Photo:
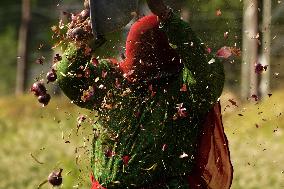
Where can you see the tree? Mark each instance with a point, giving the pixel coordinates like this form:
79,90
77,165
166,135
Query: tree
266,46
249,78
256,48
21,80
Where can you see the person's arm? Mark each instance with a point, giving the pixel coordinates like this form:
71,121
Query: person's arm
83,80
203,74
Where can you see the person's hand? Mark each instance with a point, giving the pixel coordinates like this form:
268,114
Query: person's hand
159,8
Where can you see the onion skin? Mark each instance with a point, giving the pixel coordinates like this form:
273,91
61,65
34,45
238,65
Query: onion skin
55,178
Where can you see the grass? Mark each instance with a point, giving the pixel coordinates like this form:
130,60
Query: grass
255,133
26,128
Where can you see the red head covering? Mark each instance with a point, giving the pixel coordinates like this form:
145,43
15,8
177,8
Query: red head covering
148,53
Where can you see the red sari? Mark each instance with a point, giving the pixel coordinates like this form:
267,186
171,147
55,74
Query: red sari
213,166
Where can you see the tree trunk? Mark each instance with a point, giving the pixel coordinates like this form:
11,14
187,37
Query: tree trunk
249,85
266,47
21,80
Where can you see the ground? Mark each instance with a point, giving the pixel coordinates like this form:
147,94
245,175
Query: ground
36,140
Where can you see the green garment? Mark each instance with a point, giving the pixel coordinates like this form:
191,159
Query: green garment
145,132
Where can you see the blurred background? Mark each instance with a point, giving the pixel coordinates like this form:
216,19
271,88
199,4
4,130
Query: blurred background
35,141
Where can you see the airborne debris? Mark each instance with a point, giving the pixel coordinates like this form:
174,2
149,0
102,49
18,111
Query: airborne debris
87,94
51,76
57,58
181,110
218,12
255,97
126,159
44,99
212,61
95,62
234,103
164,147
40,60
183,88
226,35
81,119
259,68
209,50
183,155
39,90
224,52
109,153
55,178
36,159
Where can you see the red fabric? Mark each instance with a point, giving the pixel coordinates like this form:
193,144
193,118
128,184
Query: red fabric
113,61
213,167
144,24
95,184
148,52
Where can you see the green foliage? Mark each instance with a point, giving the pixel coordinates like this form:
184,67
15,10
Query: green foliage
9,14
8,61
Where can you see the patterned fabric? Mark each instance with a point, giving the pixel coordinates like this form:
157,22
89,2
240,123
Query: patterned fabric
213,168
148,130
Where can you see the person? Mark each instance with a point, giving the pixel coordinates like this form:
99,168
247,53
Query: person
159,122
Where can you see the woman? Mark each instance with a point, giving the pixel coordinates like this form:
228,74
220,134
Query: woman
159,120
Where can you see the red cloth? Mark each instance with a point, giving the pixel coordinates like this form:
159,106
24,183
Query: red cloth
148,53
213,165
95,184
